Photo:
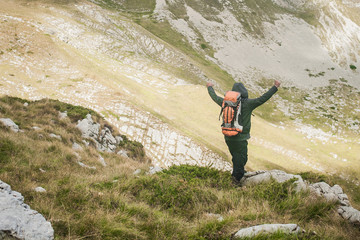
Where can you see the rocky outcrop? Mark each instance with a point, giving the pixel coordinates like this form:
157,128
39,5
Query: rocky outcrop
351,214
103,138
253,178
268,229
9,123
322,189
18,220
334,193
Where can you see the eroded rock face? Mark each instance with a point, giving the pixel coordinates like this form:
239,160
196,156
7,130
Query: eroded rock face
268,229
18,220
103,138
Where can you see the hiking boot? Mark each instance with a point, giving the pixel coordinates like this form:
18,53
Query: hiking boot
236,182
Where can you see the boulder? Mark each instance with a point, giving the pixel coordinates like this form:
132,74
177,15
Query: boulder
10,124
103,138
58,137
351,214
334,193
253,178
18,220
106,141
88,127
268,229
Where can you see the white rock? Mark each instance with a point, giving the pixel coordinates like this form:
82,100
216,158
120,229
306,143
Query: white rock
86,166
119,139
26,104
63,115
9,123
88,127
137,172
77,147
18,220
155,169
40,189
102,161
351,214
36,128
55,136
268,229
253,178
122,153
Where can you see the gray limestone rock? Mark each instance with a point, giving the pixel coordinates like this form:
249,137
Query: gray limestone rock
214,215
122,153
55,136
9,123
334,193
102,161
86,166
155,169
107,142
103,138
88,127
40,189
268,229
137,172
350,213
63,115
18,220
77,147
253,178
119,139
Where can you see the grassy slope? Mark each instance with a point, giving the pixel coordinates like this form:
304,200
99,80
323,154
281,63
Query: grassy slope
112,203
185,107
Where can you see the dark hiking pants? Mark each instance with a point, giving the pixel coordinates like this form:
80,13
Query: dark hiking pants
238,150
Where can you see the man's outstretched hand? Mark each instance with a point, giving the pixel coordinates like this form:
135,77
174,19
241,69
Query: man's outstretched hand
209,84
277,83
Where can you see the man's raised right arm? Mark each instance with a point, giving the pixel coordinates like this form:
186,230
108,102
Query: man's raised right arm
213,95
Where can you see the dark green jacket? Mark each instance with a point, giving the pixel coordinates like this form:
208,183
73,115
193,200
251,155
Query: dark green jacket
247,106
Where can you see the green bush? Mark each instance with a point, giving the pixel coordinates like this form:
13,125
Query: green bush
352,67
135,149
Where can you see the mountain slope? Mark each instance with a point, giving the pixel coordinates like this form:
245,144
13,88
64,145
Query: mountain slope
121,200
130,64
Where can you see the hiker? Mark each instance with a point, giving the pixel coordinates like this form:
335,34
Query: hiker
237,143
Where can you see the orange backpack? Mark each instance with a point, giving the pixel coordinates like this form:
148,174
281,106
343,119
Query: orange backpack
231,110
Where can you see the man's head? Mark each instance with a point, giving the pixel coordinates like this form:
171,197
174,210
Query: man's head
239,87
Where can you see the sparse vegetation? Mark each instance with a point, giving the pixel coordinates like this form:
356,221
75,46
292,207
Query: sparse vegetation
352,67
112,203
